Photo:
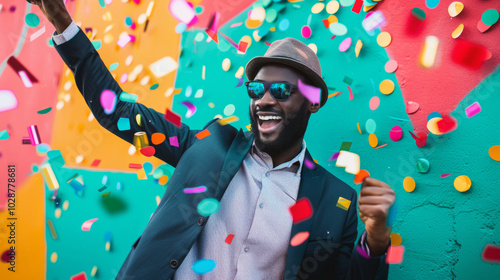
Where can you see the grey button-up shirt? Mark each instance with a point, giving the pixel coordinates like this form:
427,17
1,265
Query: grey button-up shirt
254,208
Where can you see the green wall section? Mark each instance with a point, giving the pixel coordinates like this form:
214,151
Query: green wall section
444,231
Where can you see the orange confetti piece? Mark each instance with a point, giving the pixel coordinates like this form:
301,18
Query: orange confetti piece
157,138
299,238
360,177
202,134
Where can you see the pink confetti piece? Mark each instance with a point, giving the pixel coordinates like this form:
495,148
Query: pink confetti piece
124,40
396,133
299,238
346,43
306,31
309,164
214,22
445,175
86,225
380,146
350,93
173,141
34,136
8,100
310,92
108,101
183,12
191,108
412,107
374,103
362,252
334,156
395,255
373,20
236,24
199,189
37,34
473,109
26,80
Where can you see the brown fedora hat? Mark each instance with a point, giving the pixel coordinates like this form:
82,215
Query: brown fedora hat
293,53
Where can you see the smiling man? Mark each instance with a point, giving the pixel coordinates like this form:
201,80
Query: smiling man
256,176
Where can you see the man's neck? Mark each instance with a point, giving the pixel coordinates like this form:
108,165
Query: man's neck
288,154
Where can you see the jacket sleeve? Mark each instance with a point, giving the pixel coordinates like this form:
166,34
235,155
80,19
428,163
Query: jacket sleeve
351,263
92,77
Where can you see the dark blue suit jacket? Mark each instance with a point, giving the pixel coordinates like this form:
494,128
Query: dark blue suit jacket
212,162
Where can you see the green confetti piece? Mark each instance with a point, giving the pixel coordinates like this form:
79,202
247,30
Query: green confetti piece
44,111
113,66
4,135
346,3
418,13
370,126
128,97
346,146
271,15
102,3
423,165
123,124
338,29
490,17
32,20
208,206
153,87
97,44
347,80
198,9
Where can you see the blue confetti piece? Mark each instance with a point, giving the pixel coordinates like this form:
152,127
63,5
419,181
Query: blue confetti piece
148,167
97,44
123,124
208,206
203,266
391,216
113,66
108,236
4,135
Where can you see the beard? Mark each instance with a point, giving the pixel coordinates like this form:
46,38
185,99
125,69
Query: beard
293,130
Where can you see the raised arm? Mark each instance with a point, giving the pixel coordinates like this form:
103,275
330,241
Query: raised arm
92,77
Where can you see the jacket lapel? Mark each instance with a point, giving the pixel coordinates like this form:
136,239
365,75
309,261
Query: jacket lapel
311,186
235,156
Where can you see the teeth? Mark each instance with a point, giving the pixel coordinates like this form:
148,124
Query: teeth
266,118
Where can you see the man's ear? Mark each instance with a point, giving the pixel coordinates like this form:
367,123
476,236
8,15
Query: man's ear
314,107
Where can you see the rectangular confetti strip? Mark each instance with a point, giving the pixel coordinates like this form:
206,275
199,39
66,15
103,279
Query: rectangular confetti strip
202,134
50,177
134,165
473,109
96,163
343,203
357,6
346,146
37,34
173,118
17,66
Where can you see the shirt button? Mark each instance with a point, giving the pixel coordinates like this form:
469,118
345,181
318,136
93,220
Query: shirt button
201,221
261,205
267,174
246,249
174,263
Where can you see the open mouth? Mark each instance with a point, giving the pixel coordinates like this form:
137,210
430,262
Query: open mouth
268,123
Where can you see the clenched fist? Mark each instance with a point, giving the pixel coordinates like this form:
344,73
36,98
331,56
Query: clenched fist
55,11
375,199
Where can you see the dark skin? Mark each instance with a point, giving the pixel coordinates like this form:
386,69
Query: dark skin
375,197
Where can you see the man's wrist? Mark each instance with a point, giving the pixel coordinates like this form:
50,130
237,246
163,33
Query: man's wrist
378,246
61,22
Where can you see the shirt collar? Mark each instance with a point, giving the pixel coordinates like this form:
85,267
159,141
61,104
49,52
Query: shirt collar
298,158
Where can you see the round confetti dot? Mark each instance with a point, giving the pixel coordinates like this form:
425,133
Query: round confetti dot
391,66
423,165
346,3
199,37
102,3
332,7
458,31
345,44
157,138
94,271
490,17
32,20
396,239
6,255
142,18
462,183
412,107
208,206
271,15
203,266
370,126
418,13
53,257
317,8
384,39
129,60
373,140
396,133
431,4
360,177
433,115
409,184
163,180
258,14
313,47
229,110
299,238
198,9
57,213
284,24
65,205
374,102
131,150
42,148
180,28
432,126
189,90
128,21
199,93
34,168
386,87
148,167
306,31
113,66
495,152
455,8
338,29
332,19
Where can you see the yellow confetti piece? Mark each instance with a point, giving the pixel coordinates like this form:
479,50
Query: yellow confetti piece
332,19
432,126
409,184
140,140
455,8
240,72
343,203
458,31
358,47
384,39
141,174
247,39
138,119
52,229
462,183
272,29
386,87
49,177
108,246
226,64
65,205
373,140
203,73
429,51
94,271
158,200
228,120
249,127
332,7
333,94
396,239
317,8
313,47
367,8
57,213
53,257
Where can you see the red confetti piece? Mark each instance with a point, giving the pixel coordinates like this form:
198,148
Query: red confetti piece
229,238
212,35
18,66
469,54
79,276
242,47
360,177
491,253
447,124
326,23
267,43
381,146
135,165
420,138
96,163
173,118
148,151
445,175
301,210
333,36
395,254
202,134
357,6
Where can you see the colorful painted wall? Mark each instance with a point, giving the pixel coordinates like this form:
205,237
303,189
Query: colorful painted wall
444,231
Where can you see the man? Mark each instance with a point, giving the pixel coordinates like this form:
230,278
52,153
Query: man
256,176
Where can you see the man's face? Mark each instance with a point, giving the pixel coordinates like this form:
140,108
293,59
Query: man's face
277,135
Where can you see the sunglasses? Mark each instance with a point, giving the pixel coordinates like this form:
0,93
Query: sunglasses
278,90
